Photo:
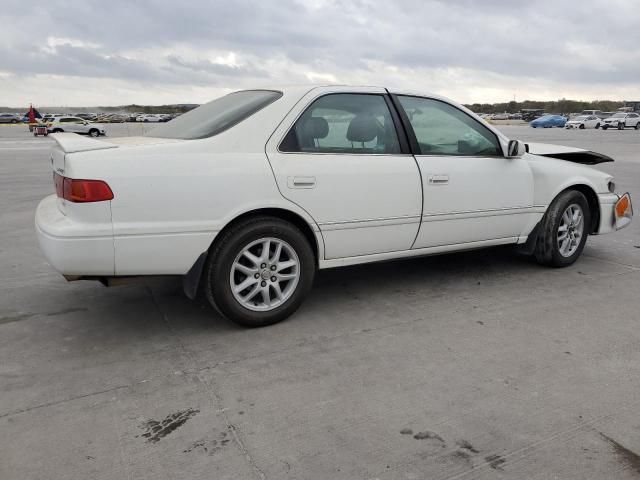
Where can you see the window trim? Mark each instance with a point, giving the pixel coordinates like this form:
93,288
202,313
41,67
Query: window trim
403,140
413,140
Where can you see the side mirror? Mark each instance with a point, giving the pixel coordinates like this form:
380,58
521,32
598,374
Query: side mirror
515,149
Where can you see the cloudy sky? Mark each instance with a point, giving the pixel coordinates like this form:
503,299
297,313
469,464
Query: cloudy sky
114,52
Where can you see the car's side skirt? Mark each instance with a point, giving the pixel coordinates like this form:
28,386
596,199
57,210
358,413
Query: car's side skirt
419,252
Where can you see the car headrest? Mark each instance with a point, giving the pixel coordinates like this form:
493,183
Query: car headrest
363,128
316,127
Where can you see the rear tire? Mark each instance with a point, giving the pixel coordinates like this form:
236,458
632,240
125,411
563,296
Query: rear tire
604,127
637,127
272,290
562,235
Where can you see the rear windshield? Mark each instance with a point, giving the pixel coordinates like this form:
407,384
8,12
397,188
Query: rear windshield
216,116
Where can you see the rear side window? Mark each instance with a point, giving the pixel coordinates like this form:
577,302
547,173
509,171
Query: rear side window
216,116
344,123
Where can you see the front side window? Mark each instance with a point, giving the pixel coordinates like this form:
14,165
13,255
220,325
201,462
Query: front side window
344,123
442,129
216,116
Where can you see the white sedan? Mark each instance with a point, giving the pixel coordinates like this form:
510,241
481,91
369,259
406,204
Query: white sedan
247,196
584,121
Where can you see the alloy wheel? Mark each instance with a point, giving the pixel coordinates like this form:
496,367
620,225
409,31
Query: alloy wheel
570,230
264,275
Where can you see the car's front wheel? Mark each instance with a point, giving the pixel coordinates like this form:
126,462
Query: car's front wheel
563,230
259,272
604,127
597,126
581,127
94,132
621,126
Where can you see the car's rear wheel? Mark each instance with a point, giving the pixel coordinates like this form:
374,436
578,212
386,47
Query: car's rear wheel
604,127
637,127
94,132
259,272
563,230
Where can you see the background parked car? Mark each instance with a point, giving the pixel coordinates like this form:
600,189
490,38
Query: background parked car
148,117
9,118
584,121
87,116
549,121
500,116
131,117
621,121
598,113
75,125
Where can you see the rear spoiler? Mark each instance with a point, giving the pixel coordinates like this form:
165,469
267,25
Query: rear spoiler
570,154
72,143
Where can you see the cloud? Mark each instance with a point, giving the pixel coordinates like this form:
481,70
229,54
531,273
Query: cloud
472,50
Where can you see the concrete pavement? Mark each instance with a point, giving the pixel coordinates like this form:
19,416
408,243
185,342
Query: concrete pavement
478,365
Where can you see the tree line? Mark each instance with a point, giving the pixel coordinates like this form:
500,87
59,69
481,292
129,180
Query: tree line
557,106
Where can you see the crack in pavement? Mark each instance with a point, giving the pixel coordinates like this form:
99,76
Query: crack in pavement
215,396
68,399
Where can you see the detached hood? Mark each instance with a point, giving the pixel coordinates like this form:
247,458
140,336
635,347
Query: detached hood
570,154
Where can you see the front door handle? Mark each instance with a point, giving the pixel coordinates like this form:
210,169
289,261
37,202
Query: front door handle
438,179
301,182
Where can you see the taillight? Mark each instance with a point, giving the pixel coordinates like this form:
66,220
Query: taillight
81,191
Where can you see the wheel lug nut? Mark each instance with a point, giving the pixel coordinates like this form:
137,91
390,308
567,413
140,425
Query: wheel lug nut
273,267
257,275
273,279
264,265
263,283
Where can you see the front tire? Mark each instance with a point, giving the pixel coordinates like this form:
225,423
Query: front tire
581,127
563,230
94,132
597,126
259,272
621,126
604,127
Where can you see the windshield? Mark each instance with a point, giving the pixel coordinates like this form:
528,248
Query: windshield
581,117
216,116
619,115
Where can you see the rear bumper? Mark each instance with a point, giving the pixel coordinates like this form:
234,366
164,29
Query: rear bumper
607,213
68,247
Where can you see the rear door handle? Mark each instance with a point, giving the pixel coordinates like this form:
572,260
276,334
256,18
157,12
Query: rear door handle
301,182
438,179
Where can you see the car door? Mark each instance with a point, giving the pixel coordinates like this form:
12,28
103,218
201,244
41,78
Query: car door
632,120
472,193
339,156
68,124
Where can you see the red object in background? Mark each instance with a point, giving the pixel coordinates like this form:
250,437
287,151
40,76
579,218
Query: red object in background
32,114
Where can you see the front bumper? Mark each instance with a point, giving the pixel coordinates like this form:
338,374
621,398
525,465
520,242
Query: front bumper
609,222
69,245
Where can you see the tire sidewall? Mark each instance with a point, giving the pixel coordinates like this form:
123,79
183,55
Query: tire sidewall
217,285
548,251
